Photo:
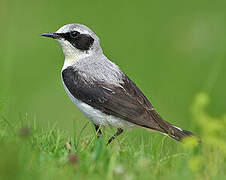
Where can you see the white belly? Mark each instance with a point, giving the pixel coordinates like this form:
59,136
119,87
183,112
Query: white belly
96,116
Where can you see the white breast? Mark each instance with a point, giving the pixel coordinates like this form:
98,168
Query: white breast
96,116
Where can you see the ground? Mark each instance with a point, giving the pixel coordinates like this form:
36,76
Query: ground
29,151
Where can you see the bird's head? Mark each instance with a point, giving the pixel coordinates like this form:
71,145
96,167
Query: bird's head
77,41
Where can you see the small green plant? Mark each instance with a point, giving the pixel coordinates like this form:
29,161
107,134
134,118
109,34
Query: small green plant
29,151
210,162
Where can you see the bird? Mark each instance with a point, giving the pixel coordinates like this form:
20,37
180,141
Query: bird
101,90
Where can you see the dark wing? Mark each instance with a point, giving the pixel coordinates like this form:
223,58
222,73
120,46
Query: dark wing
126,102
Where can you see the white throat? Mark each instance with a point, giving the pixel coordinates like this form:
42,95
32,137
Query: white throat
72,55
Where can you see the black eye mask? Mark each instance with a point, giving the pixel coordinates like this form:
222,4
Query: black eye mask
79,41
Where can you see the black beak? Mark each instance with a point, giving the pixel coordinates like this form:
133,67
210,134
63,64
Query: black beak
52,35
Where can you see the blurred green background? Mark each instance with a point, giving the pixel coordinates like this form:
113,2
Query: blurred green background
171,49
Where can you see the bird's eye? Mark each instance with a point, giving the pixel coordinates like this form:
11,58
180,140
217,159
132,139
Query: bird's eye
73,34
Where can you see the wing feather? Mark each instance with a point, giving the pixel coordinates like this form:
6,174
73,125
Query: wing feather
124,101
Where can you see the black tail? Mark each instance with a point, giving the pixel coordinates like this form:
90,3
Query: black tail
169,129
178,134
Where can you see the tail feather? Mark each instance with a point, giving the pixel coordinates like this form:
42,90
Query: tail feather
169,129
178,133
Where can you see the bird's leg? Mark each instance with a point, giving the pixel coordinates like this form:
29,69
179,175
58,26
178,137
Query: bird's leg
98,130
119,131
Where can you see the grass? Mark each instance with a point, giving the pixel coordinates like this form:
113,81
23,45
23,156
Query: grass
32,152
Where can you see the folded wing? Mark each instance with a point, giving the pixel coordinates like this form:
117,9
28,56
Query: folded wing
124,101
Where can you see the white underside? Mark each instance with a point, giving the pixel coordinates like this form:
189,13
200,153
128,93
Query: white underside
96,116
